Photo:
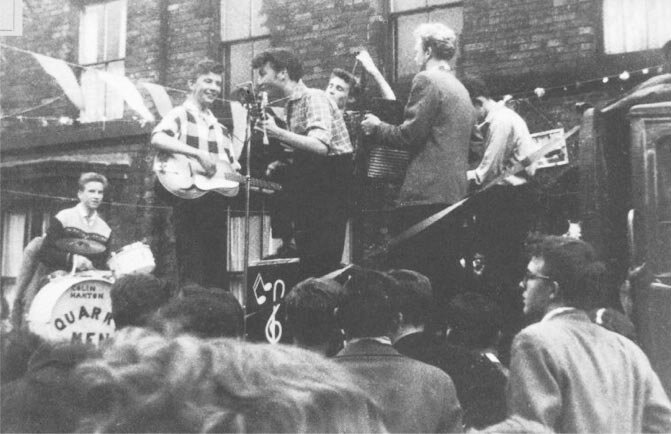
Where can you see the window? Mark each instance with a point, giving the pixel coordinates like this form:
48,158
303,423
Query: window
18,228
102,46
407,15
244,33
635,25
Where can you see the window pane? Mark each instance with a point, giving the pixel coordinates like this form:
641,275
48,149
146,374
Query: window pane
114,103
258,21
405,39
115,30
100,100
635,25
89,38
235,20
241,60
406,5
12,242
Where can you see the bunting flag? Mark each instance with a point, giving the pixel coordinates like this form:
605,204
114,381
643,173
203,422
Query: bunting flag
160,97
129,92
64,76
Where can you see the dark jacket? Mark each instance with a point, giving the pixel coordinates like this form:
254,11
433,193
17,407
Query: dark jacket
414,396
437,125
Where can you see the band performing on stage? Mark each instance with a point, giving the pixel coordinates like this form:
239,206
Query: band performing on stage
440,309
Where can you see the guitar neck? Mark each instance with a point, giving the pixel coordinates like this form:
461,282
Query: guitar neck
253,182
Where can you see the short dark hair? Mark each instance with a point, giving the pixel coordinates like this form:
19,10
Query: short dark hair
476,87
280,60
366,309
412,296
87,177
206,66
573,264
475,320
136,297
203,315
345,76
310,307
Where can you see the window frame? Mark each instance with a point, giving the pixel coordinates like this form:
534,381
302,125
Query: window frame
104,64
394,31
600,27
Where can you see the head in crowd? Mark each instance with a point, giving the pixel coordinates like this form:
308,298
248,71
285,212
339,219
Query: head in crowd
342,87
205,82
42,400
92,187
310,313
411,297
277,67
481,96
145,382
366,309
136,297
434,41
562,272
203,314
474,321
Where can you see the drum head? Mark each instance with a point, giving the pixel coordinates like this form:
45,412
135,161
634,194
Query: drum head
74,308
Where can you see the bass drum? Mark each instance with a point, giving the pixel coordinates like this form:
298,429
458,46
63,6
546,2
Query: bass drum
74,308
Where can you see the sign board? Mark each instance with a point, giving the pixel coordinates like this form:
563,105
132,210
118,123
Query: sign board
558,157
269,282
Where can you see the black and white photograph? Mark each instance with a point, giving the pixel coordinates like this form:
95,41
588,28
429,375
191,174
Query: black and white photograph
406,216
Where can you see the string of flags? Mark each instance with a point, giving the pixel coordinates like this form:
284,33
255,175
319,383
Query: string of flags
62,72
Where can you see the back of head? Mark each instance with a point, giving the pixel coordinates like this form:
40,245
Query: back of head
310,310
149,383
441,39
573,264
412,296
280,60
476,87
474,320
366,310
203,314
135,298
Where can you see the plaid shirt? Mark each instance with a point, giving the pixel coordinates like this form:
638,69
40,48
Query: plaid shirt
311,113
197,129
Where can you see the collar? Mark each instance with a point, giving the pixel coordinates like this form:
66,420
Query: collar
299,90
82,212
379,339
495,109
407,332
556,312
205,114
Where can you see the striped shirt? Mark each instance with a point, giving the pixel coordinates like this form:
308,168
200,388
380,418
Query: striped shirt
310,112
197,129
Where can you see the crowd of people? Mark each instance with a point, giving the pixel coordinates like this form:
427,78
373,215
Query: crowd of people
362,360
408,347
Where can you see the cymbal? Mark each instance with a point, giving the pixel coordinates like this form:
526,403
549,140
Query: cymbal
80,246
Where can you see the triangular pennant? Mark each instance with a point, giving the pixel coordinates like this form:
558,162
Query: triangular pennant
129,92
159,96
64,76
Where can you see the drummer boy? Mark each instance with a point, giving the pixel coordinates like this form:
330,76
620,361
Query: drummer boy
77,239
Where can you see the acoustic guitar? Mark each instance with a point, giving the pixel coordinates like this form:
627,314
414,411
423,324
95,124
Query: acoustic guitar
184,177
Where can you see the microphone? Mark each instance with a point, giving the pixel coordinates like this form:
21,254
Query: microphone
264,104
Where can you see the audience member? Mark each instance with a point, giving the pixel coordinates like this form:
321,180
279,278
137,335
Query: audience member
17,346
310,314
414,396
42,400
145,382
568,373
136,297
480,386
204,314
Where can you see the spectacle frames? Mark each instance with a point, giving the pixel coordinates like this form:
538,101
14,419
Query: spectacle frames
530,276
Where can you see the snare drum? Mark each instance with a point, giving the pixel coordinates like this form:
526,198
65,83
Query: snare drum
131,259
75,308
